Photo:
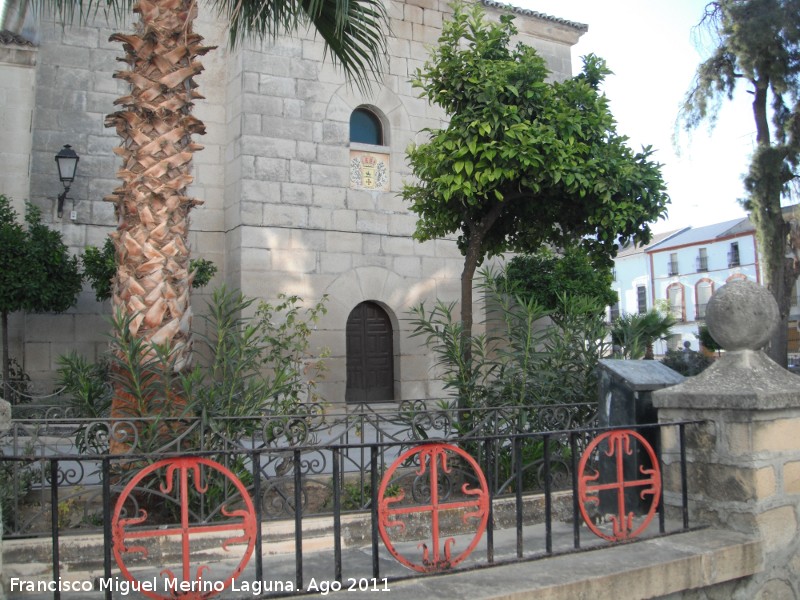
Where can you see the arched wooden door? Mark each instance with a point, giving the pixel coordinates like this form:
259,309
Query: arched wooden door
370,355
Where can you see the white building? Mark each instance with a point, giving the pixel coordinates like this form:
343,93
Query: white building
633,277
682,269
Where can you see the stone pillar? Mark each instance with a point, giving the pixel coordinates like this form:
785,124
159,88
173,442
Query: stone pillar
5,423
743,461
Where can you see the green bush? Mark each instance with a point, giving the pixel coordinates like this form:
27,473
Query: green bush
259,363
534,355
247,366
687,363
548,277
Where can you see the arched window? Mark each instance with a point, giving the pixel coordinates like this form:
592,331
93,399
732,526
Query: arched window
703,292
675,297
366,127
370,355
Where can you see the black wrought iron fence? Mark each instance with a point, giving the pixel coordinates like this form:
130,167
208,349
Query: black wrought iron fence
29,398
53,433
365,481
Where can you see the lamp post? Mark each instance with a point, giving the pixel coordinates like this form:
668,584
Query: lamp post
67,162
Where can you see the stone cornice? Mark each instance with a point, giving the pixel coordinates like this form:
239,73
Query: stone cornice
581,27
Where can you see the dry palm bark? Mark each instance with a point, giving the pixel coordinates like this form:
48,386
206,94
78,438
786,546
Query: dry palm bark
155,123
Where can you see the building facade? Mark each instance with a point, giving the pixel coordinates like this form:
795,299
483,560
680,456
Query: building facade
680,270
299,176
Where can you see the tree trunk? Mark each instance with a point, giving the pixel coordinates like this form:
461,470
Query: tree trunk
153,279
765,186
472,257
467,276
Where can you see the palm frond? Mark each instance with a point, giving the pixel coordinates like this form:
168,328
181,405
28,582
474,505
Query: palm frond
67,11
353,30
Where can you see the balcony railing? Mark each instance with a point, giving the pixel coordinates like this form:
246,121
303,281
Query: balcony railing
702,264
733,259
700,311
677,312
672,268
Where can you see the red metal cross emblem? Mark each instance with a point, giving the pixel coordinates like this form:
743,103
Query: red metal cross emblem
434,461
191,583
618,446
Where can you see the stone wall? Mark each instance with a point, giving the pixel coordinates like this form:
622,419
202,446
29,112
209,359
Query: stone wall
743,458
298,224
280,213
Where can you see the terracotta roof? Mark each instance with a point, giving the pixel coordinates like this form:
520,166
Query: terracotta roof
533,13
9,38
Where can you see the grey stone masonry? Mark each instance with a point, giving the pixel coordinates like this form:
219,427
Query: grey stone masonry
282,209
303,227
743,458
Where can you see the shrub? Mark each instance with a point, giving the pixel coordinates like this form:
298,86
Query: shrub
687,363
535,355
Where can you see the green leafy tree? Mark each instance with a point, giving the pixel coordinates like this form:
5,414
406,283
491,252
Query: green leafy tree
99,268
548,277
758,47
37,271
523,161
686,362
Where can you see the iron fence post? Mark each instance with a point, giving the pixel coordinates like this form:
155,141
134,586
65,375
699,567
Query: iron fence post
373,454
107,533
256,459
576,513
518,492
337,517
548,498
684,487
490,488
54,523
298,521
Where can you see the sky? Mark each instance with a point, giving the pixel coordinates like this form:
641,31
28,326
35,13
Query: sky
653,48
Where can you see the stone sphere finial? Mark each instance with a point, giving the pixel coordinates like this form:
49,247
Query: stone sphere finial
742,315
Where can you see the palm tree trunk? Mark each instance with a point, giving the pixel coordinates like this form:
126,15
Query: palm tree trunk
153,279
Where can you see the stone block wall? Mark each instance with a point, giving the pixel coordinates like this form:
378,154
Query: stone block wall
280,214
743,455
303,229
744,475
74,90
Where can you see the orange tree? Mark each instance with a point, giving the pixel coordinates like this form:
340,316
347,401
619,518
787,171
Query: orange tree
37,272
523,162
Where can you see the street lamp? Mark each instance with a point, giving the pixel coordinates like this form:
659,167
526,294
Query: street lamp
67,161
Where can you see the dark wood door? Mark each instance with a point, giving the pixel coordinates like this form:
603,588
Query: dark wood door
370,355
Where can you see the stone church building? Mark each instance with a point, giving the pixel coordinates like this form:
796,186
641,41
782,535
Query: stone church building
299,176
